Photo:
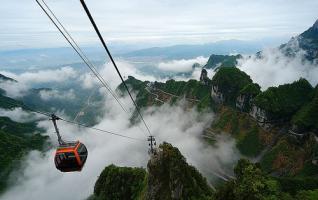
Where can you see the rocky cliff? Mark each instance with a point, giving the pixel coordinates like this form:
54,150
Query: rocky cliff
168,176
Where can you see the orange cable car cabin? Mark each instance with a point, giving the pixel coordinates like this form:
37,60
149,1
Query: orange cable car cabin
70,157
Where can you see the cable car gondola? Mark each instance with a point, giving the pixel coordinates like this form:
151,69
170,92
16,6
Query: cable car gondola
69,156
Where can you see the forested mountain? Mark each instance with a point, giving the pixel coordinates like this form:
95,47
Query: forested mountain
16,140
263,125
275,130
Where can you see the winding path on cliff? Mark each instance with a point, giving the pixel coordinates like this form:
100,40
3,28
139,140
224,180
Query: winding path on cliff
167,93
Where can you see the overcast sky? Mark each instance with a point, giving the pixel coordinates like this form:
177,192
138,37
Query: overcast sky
155,22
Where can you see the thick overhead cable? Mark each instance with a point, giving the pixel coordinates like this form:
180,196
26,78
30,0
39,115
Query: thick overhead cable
71,122
101,130
79,51
112,60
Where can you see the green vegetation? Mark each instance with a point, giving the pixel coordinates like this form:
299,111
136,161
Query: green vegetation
309,195
16,139
168,177
249,92
139,87
289,157
191,89
250,138
230,81
252,89
252,183
172,178
307,117
9,103
120,183
251,145
285,100
223,60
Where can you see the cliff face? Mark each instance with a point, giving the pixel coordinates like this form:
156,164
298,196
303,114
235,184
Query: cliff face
170,177
120,183
216,61
307,41
227,83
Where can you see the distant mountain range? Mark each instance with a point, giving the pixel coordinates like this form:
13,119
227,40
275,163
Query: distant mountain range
191,51
29,59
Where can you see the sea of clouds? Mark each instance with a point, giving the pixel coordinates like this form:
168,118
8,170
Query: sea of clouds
37,177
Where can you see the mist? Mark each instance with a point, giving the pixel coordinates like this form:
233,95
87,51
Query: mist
182,65
274,68
55,94
27,80
19,115
38,178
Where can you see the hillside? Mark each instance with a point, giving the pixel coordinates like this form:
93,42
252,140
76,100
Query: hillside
307,41
216,61
259,121
306,119
5,78
168,176
157,93
229,81
16,140
283,101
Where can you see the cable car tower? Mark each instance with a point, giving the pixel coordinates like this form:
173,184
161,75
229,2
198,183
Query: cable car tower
152,145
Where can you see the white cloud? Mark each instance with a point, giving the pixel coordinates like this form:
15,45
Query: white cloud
155,21
181,65
14,89
39,179
111,77
55,94
27,79
274,68
19,115
43,76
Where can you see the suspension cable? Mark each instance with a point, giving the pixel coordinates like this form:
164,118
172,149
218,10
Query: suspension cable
82,55
92,67
23,106
79,52
112,60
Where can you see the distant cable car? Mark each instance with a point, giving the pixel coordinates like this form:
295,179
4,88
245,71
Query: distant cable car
69,156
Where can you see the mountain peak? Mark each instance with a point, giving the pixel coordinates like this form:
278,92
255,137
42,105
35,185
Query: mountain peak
315,26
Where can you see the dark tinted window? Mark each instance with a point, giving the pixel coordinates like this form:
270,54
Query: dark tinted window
66,161
82,152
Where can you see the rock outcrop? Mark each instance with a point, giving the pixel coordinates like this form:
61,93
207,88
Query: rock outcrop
217,95
246,96
169,177
227,83
204,80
